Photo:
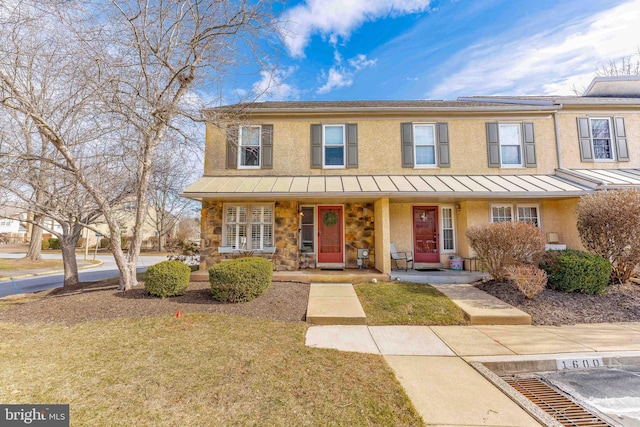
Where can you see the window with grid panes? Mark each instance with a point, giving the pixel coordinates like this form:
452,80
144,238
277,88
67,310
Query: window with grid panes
447,229
248,227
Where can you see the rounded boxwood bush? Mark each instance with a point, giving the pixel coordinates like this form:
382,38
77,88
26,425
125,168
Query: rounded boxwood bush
240,279
167,279
576,271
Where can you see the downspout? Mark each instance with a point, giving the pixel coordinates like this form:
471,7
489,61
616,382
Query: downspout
557,129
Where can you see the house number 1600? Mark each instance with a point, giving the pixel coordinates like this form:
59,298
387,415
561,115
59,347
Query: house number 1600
594,362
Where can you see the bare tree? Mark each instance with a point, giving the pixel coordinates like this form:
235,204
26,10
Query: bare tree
628,65
125,71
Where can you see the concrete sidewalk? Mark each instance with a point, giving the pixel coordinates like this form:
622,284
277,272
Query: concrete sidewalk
433,363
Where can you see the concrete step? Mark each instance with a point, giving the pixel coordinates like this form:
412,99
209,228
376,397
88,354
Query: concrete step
334,304
482,308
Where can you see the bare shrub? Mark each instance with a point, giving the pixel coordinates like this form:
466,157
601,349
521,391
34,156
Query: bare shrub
609,226
529,279
503,244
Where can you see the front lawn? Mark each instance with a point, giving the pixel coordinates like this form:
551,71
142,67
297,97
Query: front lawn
196,370
402,303
23,264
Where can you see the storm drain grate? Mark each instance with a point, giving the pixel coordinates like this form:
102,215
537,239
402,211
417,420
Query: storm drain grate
554,403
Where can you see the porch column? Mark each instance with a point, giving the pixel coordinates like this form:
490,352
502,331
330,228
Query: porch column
382,235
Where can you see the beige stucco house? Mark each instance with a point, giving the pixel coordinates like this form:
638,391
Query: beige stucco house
309,184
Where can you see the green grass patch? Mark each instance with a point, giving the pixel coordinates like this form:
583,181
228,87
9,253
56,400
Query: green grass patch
403,303
197,370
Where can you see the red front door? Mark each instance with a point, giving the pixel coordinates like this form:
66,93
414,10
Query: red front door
425,232
330,246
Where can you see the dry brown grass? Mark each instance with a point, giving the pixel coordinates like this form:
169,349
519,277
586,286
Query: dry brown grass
196,370
23,264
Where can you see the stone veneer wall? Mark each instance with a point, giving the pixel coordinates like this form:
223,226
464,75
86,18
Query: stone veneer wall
359,232
285,234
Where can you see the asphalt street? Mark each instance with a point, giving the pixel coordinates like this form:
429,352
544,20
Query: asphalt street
107,270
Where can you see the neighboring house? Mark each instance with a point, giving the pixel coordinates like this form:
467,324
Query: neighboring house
12,225
310,183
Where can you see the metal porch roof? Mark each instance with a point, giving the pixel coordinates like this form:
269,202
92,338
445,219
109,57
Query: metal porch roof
393,186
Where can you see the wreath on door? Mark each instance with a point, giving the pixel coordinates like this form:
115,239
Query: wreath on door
330,218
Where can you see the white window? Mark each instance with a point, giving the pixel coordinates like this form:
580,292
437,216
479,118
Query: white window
524,212
249,144
448,243
510,144
501,213
333,146
425,144
248,227
5,222
307,229
529,213
601,138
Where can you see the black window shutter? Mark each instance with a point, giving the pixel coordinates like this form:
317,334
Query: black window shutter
406,131
584,136
621,139
529,145
444,160
493,145
352,145
316,146
232,146
267,147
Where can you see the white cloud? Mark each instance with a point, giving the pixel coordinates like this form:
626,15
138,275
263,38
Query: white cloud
336,79
361,61
272,86
335,19
550,62
339,76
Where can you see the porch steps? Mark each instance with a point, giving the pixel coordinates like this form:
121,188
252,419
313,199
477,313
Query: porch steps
482,308
334,304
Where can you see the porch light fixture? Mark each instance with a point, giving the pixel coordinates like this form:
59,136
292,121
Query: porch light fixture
458,207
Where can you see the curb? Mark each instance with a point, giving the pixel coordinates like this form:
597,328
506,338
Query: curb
46,273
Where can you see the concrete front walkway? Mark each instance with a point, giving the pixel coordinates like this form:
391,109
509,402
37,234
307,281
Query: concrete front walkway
433,363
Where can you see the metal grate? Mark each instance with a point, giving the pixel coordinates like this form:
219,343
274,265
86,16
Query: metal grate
554,403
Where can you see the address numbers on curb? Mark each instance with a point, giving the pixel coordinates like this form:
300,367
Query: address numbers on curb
588,362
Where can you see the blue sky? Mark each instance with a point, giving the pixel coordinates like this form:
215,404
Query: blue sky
442,49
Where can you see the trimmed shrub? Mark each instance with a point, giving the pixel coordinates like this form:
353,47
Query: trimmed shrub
54,243
529,279
609,225
500,245
576,271
240,279
167,279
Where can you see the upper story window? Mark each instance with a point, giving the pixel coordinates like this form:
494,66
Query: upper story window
603,139
333,143
249,143
334,146
5,222
425,145
511,145
249,147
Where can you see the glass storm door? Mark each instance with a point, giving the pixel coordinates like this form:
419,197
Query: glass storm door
425,232
330,247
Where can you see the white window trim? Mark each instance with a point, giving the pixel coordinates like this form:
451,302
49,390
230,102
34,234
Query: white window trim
435,148
514,211
344,147
614,154
511,166
240,147
248,206
453,225
315,229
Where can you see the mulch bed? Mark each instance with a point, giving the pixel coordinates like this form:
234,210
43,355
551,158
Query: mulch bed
285,301
621,303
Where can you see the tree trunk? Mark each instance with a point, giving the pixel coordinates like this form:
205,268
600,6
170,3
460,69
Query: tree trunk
160,242
35,244
69,261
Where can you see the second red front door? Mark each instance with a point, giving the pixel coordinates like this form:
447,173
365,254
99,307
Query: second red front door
425,232
330,234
